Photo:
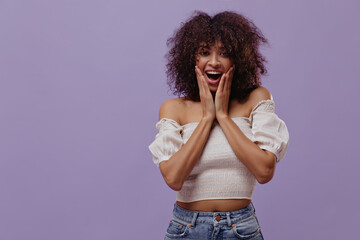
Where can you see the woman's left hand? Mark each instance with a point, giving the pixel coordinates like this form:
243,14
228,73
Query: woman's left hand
222,95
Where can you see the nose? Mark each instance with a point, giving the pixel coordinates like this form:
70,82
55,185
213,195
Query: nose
214,61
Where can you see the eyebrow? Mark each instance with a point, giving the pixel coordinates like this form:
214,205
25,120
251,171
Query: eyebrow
204,46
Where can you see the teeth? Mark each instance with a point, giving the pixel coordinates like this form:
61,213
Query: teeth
211,72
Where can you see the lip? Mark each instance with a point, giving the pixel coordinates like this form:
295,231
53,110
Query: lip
211,81
213,70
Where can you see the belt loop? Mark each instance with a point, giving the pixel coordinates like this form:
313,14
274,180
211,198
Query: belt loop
252,206
228,219
194,219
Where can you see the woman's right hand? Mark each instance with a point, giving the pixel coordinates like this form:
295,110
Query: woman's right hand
206,98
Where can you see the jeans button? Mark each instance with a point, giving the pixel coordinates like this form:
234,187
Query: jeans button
218,218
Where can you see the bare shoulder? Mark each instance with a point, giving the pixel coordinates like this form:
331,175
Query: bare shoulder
244,108
172,108
259,94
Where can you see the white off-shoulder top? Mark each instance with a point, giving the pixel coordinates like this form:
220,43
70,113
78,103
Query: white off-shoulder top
219,174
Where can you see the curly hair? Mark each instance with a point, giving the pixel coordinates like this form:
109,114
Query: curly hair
241,40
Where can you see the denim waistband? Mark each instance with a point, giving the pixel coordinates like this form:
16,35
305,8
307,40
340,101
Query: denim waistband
188,217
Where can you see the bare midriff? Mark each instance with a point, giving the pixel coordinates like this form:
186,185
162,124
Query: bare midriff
218,205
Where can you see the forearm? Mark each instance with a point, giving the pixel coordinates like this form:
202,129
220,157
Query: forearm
176,170
259,162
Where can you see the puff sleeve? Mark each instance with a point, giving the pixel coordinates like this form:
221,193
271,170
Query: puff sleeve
269,131
167,142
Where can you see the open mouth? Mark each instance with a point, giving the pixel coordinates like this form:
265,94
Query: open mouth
213,77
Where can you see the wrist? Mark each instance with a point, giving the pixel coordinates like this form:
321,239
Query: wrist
207,119
222,117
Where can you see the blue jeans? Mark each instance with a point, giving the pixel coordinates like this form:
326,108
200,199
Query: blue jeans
239,224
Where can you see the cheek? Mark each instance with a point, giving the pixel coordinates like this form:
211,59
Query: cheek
197,58
230,65
200,64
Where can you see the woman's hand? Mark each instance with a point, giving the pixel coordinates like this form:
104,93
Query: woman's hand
223,94
207,102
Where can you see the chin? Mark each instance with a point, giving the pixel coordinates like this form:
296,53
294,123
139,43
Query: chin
213,89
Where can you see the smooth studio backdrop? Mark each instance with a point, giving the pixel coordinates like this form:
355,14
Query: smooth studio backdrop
81,83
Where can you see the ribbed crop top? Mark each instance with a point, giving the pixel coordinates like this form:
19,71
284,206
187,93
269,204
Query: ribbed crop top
219,174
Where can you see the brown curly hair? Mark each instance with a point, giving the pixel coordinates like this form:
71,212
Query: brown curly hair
241,40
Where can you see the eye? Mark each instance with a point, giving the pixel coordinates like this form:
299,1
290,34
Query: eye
204,53
224,54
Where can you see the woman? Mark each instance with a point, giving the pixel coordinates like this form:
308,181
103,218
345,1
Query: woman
222,136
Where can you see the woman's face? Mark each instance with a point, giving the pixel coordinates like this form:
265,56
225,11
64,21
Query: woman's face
213,61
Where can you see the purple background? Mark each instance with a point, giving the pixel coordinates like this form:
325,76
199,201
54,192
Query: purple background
81,83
